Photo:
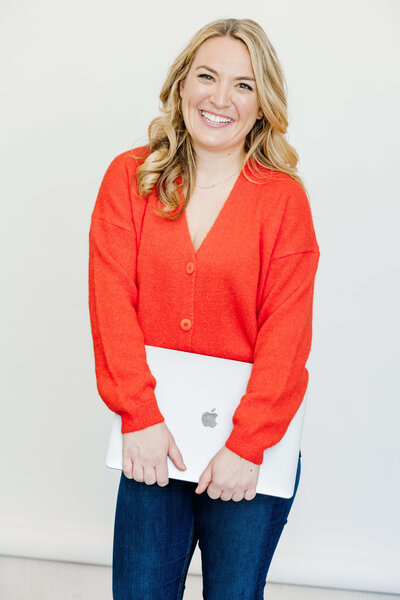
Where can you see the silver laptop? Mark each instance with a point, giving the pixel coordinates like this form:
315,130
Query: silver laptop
197,395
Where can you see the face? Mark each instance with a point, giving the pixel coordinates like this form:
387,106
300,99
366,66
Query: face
219,95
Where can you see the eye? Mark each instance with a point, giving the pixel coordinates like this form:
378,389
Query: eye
206,75
247,86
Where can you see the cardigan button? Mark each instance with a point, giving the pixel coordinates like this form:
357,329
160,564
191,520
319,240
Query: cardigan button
189,267
186,324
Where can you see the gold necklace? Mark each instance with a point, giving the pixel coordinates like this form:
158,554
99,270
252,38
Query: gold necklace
206,187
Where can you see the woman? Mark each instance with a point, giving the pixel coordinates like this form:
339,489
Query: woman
203,241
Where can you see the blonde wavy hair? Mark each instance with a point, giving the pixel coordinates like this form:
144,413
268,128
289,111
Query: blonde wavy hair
171,152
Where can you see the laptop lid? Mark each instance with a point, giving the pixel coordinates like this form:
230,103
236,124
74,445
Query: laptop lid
198,394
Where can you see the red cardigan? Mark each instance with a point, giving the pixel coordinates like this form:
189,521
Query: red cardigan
246,294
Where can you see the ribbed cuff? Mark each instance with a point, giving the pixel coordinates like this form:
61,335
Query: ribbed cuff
245,446
145,416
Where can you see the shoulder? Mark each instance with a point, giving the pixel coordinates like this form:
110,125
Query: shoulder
118,201
286,204
279,194
272,181
129,160
120,172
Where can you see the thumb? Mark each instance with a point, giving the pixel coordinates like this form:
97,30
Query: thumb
176,457
204,481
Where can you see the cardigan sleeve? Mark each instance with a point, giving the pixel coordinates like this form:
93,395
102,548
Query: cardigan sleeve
279,378
124,380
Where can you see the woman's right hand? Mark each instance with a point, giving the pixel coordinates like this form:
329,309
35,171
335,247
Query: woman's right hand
144,454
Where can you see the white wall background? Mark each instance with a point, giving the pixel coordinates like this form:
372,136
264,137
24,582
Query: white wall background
80,83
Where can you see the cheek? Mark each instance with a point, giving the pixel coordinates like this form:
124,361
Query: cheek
252,110
197,95
193,91
246,107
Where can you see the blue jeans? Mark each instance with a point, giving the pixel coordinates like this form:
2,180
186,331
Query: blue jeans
157,528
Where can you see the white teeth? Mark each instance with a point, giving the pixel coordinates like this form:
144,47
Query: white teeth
214,118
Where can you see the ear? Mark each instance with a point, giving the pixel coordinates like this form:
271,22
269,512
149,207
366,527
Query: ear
260,114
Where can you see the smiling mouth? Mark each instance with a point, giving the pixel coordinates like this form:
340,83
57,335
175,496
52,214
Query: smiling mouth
214,120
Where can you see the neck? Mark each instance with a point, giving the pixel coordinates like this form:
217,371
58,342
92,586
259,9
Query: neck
211,165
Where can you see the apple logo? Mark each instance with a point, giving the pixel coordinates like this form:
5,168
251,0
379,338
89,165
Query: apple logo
208,418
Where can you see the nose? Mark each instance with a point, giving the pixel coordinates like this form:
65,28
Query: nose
221,96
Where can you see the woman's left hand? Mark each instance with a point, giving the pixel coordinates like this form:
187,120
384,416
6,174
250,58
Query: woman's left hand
229,476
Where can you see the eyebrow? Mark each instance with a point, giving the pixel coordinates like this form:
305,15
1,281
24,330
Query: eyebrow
216,73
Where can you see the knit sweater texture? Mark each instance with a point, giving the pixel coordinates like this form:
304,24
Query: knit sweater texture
246,294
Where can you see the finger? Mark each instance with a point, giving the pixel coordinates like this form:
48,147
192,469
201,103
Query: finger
213,491
225,496
177,457
199,488
137,472
127,467
149,475
162,474
238,496
205,479
250,494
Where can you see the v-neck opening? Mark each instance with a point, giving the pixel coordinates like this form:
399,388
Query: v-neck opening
217,220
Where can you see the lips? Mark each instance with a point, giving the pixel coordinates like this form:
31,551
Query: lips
214,124
216,114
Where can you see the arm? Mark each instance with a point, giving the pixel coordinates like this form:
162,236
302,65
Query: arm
279,378
124,380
